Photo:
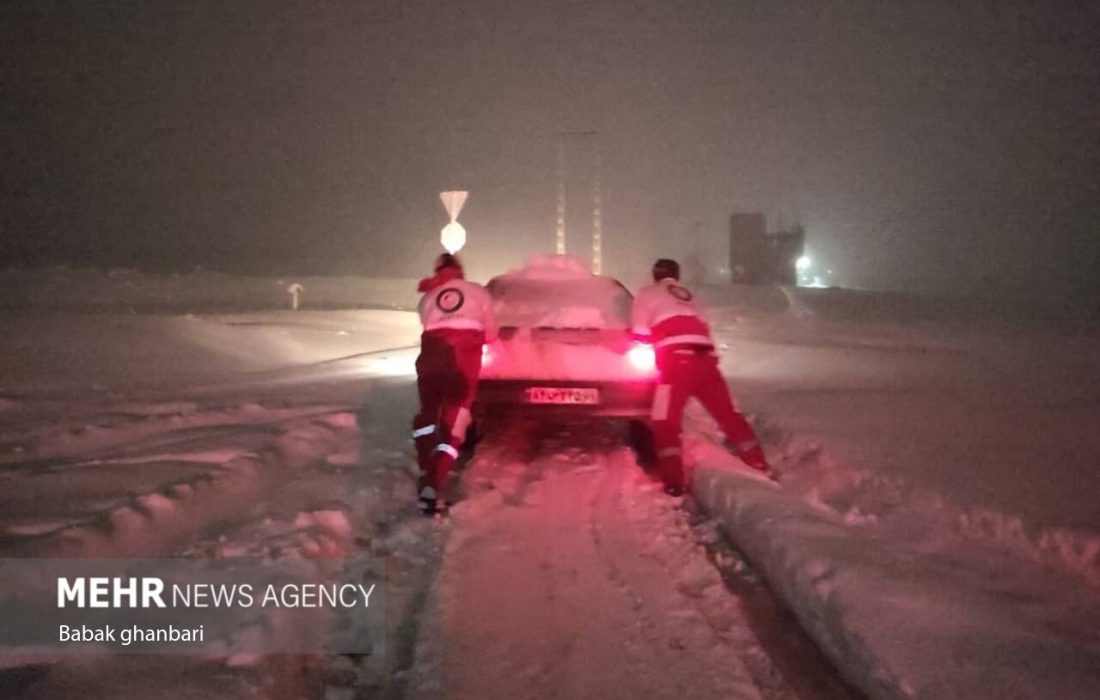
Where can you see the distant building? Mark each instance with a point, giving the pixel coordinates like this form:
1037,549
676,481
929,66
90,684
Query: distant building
757,257
749,259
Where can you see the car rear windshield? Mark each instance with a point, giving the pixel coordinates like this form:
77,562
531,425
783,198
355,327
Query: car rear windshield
596,302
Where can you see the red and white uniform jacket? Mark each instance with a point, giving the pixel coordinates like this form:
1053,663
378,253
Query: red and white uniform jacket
668,315
451,303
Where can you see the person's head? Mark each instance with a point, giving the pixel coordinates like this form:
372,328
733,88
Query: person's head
447,261
666,268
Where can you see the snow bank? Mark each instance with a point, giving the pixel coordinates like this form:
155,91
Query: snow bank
900,622
61,288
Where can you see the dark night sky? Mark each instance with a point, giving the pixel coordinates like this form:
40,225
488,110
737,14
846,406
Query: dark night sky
928,145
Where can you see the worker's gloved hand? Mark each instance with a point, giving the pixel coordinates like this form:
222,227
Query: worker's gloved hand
754,457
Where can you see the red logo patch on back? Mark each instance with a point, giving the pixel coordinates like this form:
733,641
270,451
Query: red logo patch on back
450,300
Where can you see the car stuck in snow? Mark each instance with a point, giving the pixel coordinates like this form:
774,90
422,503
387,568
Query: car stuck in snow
565,345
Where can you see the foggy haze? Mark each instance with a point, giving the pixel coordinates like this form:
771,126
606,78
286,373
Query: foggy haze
932,146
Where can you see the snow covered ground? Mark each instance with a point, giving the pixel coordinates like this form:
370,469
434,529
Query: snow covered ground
132,291
567,573
946,538
935,529
997,418
269,434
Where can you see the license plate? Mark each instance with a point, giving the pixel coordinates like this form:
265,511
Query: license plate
563,395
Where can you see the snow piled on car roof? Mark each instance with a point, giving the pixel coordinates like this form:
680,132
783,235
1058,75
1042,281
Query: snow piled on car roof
558,291
552,267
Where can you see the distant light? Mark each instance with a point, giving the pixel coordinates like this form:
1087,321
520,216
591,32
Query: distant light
642,357
453,237
486,356
803,263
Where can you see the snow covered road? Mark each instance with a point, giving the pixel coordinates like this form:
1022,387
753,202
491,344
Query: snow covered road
568,574
563,572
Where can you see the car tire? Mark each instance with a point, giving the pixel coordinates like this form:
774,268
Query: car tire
640,438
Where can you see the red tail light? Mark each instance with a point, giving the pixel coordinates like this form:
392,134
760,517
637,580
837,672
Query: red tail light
642,357
486,356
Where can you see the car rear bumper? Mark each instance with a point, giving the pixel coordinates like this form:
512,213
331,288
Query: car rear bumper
620,399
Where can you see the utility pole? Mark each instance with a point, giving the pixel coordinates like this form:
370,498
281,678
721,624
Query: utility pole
561,195
597,220
593,157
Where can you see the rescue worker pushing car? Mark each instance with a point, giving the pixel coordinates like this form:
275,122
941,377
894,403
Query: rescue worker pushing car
667,314
457,317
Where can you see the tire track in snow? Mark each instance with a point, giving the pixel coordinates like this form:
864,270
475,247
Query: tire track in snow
546,592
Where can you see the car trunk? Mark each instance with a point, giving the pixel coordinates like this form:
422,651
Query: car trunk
590,354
